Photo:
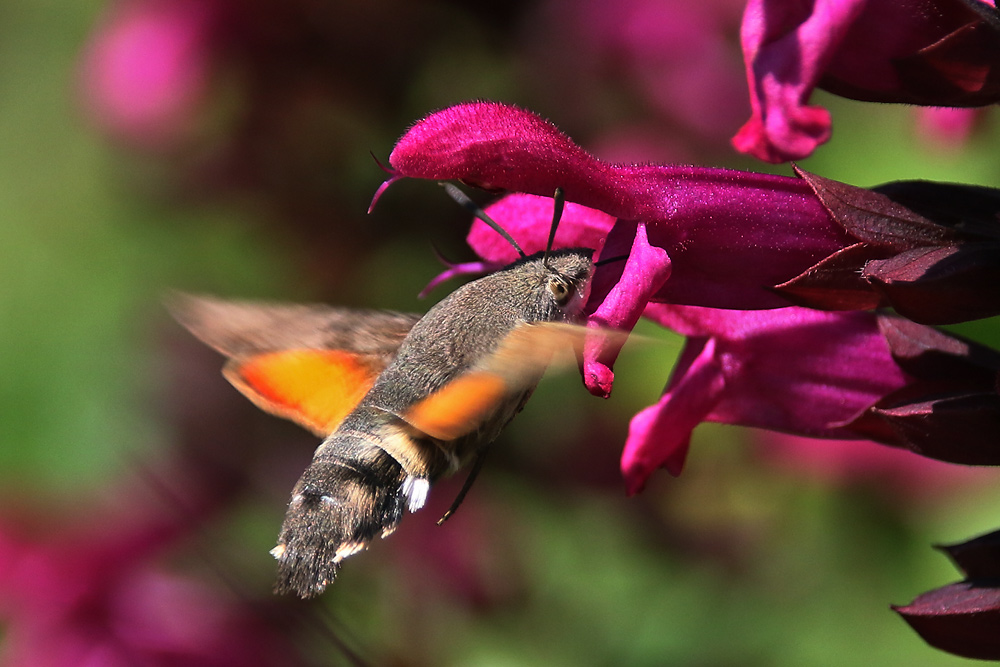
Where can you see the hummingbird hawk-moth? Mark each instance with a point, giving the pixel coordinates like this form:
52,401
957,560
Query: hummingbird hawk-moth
400,400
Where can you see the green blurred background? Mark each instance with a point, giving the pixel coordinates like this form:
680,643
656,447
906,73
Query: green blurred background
745,559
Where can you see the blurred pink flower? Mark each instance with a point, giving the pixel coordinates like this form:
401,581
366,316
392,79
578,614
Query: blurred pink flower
471,558
91,591
945,127
667,63
146,68
893,472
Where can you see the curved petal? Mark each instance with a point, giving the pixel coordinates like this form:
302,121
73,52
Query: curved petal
457,271
659,436
645,271
785,52
940,53
794,369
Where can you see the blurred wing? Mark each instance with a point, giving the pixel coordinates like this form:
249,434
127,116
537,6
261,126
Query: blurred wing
311,364
463,404
239,328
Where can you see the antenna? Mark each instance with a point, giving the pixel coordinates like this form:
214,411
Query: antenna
558,202
472,207
616,258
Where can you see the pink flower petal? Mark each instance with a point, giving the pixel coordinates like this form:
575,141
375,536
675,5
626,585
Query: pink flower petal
786,51
795,370
527,218
660,435
645,271
938,53
457,271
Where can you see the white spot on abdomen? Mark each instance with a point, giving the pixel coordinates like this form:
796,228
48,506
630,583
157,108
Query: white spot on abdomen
415,489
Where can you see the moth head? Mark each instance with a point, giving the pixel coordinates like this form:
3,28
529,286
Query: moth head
567,278
564,274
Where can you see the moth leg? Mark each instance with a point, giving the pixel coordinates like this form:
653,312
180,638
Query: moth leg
477,465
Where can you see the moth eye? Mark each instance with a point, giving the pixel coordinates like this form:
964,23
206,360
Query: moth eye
561,291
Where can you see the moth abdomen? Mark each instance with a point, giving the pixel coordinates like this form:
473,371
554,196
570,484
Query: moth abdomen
352,492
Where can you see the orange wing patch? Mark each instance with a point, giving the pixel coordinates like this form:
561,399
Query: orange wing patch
516,365
314,388
460,406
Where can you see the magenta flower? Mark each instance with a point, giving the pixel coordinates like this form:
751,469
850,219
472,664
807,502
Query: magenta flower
962,618
939,53
795,370
700,237
841,375
723,237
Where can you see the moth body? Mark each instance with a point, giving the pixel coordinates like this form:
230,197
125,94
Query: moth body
400,400
380,462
